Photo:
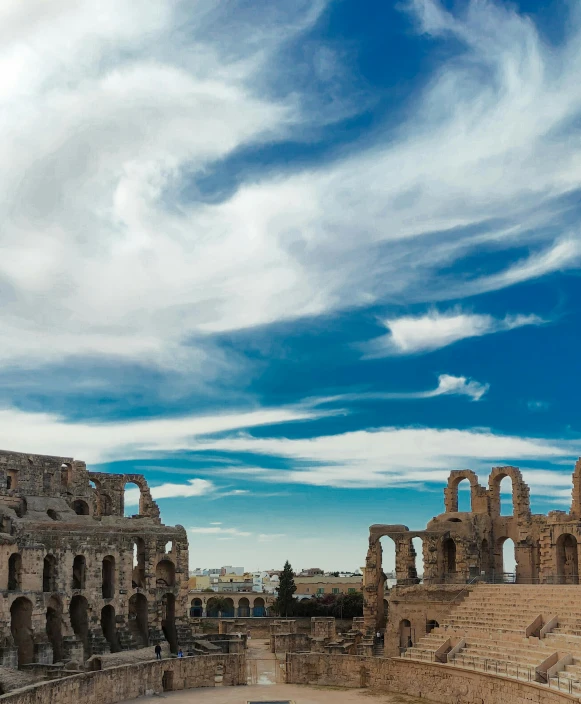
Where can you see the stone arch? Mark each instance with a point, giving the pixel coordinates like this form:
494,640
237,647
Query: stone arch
79,617
138,573
81,507
108,577
14,572
258,607
49,574
138,624
165,573
54,619
520,492
243,607
168,621
567,559
505,556
451,491
21,629
196,608
79,572
147,506
109,628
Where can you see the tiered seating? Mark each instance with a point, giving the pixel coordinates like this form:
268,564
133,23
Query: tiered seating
492,623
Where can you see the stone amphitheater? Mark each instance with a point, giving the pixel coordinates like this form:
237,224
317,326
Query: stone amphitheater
87,593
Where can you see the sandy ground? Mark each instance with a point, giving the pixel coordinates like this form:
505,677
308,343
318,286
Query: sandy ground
262,687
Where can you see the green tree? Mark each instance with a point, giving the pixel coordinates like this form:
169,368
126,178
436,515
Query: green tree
286,588
221,604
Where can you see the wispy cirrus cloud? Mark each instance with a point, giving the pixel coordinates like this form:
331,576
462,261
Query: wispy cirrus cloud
434,330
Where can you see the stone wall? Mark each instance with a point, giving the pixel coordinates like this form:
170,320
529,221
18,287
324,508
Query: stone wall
130,681
437,683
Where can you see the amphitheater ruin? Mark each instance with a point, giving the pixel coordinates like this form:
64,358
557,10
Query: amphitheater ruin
88,591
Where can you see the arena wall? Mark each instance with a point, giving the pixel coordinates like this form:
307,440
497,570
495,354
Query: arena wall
130,681
431,681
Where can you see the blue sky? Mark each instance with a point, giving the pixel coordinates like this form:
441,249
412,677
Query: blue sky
294,262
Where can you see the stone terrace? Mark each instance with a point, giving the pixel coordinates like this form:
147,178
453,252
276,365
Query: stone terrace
529,632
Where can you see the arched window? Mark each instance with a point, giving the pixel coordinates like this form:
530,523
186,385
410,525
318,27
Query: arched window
259,607
506,497
49,574
243,607
464,496
131,499
21,628
80,507
108,577
165,574
14,572
197,609
79,572
506,560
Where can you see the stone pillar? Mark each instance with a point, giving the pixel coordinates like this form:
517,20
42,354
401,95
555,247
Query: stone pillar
405,561
372,586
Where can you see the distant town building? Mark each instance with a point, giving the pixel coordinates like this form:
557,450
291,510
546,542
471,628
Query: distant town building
318,585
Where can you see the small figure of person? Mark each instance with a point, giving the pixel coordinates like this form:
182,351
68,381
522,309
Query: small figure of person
180,653
158,652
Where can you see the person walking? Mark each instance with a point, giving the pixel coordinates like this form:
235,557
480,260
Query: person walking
158,652
180,653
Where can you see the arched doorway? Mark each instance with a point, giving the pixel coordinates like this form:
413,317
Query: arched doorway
132,499
567,559
109,628
168,624
21,629
54,618
405,634
138,574
165,574
259,607
81,508
505,560
79,572
14,572
49,574
449,559
212,608
79,615
196,608
243,607
138,624
108,577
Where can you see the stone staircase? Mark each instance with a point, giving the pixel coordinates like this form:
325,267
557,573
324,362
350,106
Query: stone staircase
528,632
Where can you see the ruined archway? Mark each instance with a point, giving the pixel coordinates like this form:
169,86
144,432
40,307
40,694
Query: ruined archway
79,616
243,607
49,574
452,494
21,629
519,491
165,573
54,618
138,623
109,628
79,572
14,572
168,623
567,559
138,574
108,577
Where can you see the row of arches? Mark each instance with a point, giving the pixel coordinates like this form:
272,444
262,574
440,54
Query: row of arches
164,572
461,495
21,624
224,607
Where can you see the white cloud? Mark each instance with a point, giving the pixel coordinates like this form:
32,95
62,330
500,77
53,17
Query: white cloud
217,530
194,487
44,433
99,257
447,385
417,334
392,456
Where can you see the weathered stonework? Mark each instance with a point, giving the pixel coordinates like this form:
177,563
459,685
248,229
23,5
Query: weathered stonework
465,547
78,578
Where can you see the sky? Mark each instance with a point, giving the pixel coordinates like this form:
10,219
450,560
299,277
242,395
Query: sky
293,262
